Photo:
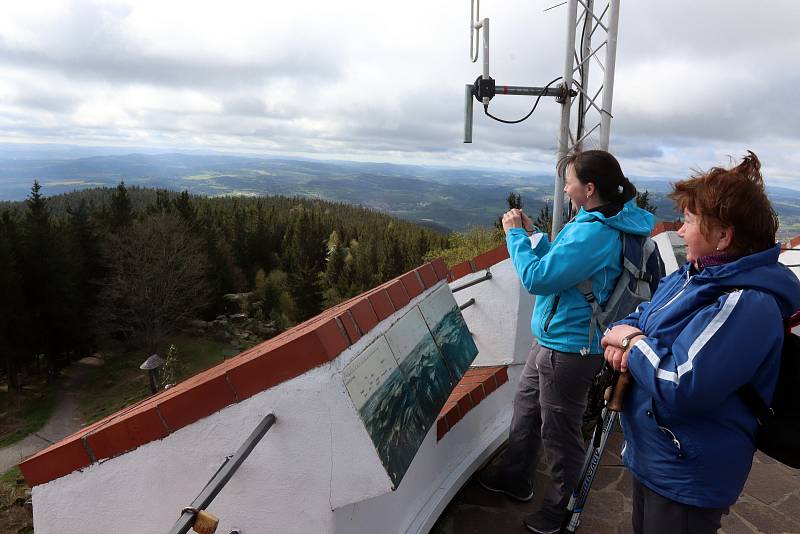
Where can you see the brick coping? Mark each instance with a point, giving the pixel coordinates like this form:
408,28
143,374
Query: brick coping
476,384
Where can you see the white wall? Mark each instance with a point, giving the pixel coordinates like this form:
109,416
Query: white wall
500,319
791,257
316,470
665,242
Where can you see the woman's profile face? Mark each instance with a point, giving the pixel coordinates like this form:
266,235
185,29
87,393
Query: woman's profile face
574,189
697,245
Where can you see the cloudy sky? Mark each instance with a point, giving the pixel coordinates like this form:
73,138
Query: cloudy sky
383,81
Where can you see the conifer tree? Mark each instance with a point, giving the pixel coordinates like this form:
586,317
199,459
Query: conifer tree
305,255
46,284
120,209
186,209
11,307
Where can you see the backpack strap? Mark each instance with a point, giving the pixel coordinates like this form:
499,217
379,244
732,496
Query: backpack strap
585,288
762,412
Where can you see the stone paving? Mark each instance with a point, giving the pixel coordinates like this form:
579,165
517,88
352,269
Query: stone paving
770,502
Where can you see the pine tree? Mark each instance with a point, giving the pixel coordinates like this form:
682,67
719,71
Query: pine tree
11,307
643,201
47,285
186,209
305,257
514,201
120,209
87,271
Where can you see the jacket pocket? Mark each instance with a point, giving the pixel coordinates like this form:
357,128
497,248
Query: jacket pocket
674,441
552,312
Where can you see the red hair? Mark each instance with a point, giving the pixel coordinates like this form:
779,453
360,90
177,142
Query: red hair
731,197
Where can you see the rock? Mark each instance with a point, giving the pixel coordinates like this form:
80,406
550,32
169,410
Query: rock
198,324
222,335
238,318
264,330
236,297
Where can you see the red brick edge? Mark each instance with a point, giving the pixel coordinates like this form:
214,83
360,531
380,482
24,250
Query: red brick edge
478,263
665,226
792,243
292,353
476,384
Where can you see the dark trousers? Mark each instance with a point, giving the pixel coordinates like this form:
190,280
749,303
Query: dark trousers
654,514
548,411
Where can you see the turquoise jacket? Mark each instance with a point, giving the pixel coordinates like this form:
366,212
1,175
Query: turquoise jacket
589,247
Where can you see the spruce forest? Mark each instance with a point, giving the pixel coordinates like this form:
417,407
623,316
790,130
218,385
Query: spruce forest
133,265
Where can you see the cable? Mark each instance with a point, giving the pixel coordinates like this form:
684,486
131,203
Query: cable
498,119
581,67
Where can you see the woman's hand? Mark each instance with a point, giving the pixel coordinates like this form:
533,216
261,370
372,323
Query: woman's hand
516,218
512,219
612,342
617,358
614,336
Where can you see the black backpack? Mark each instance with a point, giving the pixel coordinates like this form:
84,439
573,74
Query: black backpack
778,434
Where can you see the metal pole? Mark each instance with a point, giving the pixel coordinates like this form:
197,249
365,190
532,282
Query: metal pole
563,138
608,78
222,476
487,276
485,25
586,49
468,113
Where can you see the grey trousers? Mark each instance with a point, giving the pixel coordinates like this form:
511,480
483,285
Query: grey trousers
548,411
654,514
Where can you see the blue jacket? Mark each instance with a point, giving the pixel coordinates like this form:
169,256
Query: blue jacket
589,247
689,437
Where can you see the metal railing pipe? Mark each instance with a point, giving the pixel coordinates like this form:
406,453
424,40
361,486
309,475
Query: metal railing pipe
487,276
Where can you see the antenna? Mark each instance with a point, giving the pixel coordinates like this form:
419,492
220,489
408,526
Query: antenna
594,100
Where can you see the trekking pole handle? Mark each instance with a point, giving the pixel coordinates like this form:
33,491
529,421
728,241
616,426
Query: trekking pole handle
620,386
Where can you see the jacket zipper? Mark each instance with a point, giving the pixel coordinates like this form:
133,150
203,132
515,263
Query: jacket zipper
678,294
552,312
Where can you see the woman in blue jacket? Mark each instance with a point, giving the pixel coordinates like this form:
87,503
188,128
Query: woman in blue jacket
551,394
712,326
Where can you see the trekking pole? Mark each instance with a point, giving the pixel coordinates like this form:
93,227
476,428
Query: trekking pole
614,404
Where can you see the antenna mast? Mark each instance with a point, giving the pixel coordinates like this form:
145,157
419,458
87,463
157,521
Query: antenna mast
593,99
593,104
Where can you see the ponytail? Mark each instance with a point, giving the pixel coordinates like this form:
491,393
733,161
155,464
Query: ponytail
628,191
603,170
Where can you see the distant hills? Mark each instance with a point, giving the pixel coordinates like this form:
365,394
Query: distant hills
438,197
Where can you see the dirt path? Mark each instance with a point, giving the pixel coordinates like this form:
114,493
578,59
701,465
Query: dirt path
64,421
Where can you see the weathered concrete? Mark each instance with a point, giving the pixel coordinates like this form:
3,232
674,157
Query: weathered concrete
770,503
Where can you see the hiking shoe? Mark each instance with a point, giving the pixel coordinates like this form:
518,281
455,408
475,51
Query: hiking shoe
492,479
541,523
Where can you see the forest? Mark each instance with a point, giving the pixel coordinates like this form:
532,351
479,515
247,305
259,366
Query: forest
133,264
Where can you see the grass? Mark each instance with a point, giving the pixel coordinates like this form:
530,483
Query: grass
25,412
15,517
120,382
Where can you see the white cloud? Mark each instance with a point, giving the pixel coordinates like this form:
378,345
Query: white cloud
384,80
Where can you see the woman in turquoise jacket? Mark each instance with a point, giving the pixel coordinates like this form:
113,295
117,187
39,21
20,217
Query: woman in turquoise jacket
551,394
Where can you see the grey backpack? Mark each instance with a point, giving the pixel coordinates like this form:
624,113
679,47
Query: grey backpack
642,269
